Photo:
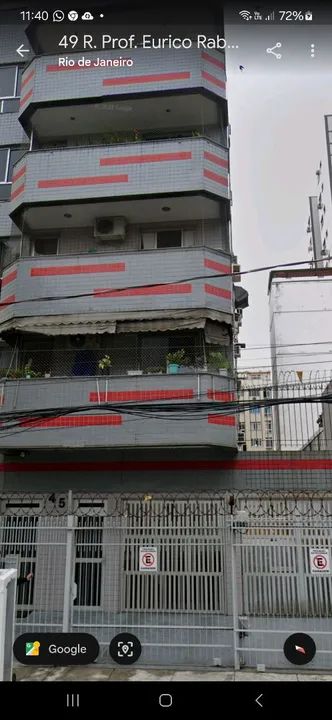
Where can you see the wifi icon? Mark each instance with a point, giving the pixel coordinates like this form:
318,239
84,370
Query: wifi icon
245,14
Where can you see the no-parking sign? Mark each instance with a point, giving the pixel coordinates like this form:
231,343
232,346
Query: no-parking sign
148,559
319,561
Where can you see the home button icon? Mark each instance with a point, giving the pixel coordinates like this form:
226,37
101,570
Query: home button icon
165,700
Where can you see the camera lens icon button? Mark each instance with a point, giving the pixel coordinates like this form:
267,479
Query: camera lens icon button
125,648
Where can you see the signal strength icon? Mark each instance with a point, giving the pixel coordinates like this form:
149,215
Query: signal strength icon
270,17
245,14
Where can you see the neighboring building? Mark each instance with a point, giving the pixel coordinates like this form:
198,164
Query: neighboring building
300,336
255,428
322,438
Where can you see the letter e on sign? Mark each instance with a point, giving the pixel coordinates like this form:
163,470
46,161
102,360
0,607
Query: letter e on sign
319,561
148,559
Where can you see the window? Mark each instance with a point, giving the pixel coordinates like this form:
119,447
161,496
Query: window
10,251
45,246
268,411
169,238
254,426
255,411
269,426
242,426
10,83
256,442
254,393
8,158
269,442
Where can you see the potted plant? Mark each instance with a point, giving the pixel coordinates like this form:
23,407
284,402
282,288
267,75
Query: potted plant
105,364
175,360
218,361
29,372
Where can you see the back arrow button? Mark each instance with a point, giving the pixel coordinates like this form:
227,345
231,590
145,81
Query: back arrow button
21,50
258,699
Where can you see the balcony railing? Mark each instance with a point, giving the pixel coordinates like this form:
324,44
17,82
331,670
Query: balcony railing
117,283
116,411
107,362
46,81
128,170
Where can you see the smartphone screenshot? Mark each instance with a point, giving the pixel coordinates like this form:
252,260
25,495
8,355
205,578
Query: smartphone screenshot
165,356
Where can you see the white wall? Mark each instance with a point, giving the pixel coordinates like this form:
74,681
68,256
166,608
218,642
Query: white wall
301,349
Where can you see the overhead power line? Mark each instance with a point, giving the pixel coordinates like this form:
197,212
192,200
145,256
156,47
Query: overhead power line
188,411
105,291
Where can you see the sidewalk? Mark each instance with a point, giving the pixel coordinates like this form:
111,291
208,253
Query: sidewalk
111,674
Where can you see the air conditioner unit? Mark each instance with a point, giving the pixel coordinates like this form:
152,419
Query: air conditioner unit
110,228
236,269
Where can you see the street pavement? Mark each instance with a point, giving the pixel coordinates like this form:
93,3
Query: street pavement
111,674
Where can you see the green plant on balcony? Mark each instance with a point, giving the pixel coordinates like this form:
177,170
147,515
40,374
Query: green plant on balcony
218,361
29,373
157,370
175,360
105,364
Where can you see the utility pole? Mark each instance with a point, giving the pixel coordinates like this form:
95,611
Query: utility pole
314,228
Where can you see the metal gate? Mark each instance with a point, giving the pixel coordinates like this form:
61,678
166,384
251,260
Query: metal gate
276,594
232,578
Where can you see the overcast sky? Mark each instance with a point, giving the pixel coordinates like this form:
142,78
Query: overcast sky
276,111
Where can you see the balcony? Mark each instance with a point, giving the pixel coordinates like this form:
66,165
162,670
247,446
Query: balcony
116,174
46,83
116,287
115,427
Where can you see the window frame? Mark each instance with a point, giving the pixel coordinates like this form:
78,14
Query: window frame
10,97
10,149
16,90
44,237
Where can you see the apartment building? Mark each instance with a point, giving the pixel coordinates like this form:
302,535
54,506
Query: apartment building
116,259
255,427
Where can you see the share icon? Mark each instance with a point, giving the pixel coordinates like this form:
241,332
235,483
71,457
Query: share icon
271,51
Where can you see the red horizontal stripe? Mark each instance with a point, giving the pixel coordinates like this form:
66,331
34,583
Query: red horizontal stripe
220,395
213,80
77,269
74,421
19,174
159,77
149,158
26,97
213,265
221,419
213,60
219,292
217,178
154,290
9,278
18,191
307,465
63,68
94,180
141,395
216,159
27,78
7,301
